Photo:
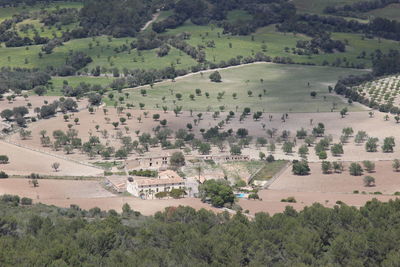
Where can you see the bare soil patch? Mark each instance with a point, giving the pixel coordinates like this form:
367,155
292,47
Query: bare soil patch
87,195
386,180
49,189
24,162
271,200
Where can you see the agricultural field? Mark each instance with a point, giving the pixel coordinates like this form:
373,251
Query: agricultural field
24,161
33,101
105,52
283,88
389,12
101,49
203,114
29,27
269,170
381,91
109,135
277,44
287,97
386,180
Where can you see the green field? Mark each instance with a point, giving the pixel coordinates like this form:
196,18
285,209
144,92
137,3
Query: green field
286,88
390,12
102,52
269,170
44,31
276,42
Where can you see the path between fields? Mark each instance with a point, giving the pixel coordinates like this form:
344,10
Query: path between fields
155,17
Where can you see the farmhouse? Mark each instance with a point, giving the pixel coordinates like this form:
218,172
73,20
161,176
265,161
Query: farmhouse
153,161
162,161
146,188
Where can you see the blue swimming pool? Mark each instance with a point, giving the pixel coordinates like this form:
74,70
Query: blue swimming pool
240,195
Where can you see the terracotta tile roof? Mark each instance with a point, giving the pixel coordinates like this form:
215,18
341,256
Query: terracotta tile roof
155,181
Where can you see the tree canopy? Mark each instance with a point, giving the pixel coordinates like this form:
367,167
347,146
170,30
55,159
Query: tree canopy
39,235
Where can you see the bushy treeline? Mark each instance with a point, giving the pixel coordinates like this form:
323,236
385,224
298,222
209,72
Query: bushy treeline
322,42
63,16
41,235
18,79
315,25
387,64
73,63
202,12
263,13
351,10
14,3
119,18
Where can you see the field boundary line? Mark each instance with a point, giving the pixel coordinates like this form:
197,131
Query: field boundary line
50,154
277,175
254,174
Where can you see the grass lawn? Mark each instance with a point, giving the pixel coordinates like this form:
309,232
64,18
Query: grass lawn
286,88
269,170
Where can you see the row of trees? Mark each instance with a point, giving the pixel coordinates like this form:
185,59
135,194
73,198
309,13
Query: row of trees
315,25
201,12
351,10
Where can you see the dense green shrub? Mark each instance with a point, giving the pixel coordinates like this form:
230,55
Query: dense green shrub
3,174
144,173
41,235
